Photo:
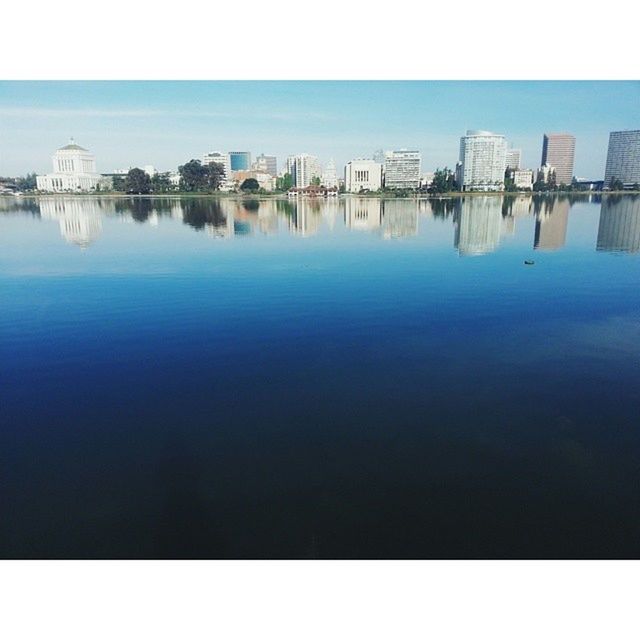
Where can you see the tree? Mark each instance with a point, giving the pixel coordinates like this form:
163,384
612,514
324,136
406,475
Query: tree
161,183
443,181
193,176
137,181
250,184
28,183
316,181
615,184
215,175
117,183
284,183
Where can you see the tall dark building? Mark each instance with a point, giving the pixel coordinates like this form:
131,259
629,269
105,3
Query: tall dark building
558,151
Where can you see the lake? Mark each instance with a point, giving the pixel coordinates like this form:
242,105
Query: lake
344,378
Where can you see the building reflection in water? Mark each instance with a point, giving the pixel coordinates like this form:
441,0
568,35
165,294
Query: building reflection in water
478,225
399,218
305,218
619,225
480,222
552,218
363,214
79,218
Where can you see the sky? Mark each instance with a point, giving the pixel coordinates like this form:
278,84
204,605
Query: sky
165,124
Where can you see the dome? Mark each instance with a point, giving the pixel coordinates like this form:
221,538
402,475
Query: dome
72,146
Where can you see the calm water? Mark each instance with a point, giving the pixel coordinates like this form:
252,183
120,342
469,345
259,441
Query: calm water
349,379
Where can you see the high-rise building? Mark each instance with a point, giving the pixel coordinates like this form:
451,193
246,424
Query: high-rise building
482,161
513,158
558,151
240,160
623,158
74,169
402,169
266,164
619,226
304,168
329,175
362,175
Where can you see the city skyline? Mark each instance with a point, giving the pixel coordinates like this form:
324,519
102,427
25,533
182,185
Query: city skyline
167,123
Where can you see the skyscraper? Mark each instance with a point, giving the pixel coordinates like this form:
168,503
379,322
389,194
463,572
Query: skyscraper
513,158
402,169
482,161
558,151
240,160
304,168
623,158
266,164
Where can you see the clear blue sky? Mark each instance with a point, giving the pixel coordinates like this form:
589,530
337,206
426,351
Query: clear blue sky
166,123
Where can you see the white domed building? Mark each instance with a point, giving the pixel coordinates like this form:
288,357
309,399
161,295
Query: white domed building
74,169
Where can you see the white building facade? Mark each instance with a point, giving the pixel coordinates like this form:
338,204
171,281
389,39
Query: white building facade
362,175
74,169
523,179
402,169
329,175
482,161
304,168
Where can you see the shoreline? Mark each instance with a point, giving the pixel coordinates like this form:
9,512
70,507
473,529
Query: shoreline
382,196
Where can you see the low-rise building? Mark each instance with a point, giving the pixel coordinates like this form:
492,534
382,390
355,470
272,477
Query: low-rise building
74,169
362,175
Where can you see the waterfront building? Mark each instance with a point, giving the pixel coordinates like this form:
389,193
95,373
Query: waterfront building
266,164
402,169
362,175
478,225
619,226
329,175
623,158
265,180
513,158
240,160
482,161
551,225
74,169
303,169
558,150
546,173
363,214
522,179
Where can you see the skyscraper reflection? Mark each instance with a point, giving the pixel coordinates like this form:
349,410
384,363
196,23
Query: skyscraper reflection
552,218
399,218
478,224
619,225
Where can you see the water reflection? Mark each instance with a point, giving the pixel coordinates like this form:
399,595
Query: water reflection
552,218
619,226
480,223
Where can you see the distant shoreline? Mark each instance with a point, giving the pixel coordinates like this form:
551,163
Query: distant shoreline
284,196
